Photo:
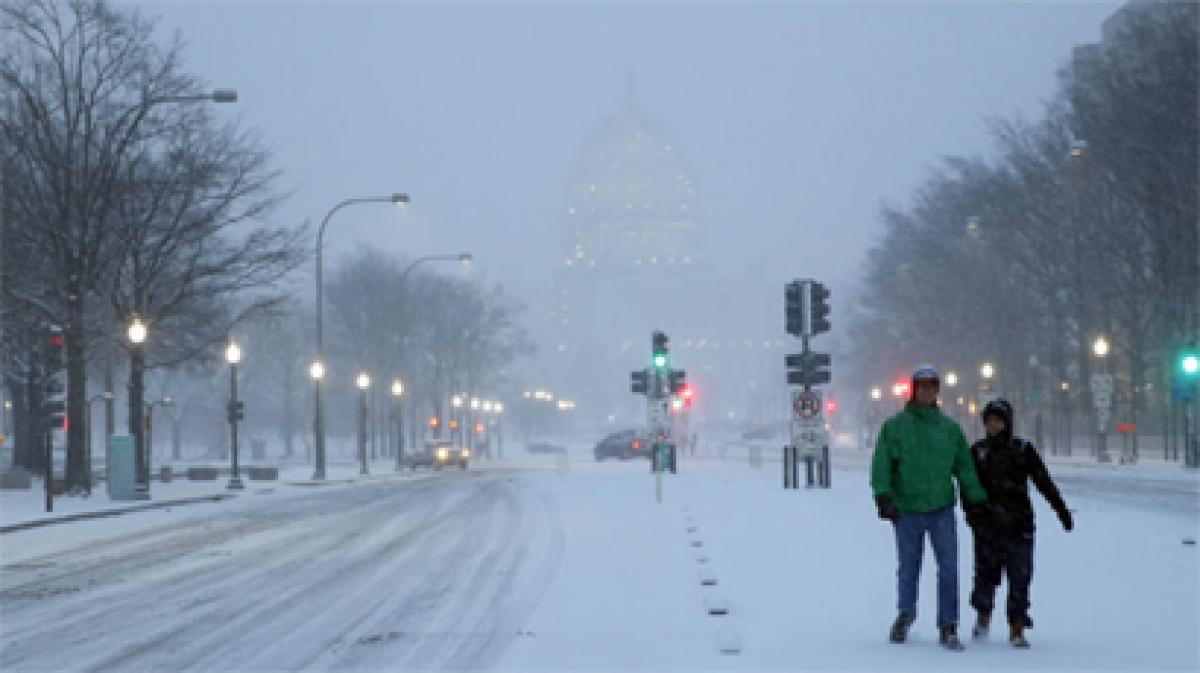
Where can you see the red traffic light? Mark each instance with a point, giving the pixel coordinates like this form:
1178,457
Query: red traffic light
830,406
687,393
56,339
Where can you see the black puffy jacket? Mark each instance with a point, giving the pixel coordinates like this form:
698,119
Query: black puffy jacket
1005,465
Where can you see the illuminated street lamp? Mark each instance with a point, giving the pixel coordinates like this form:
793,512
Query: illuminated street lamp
363,382
233,355
138,333
1102,389
951,379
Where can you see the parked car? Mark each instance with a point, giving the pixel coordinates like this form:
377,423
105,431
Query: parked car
623,445
438,454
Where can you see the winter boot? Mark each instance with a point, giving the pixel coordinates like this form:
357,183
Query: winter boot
949,638
899,632
1016,635
980,630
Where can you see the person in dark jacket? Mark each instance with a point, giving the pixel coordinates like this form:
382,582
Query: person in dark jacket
919,453
1004,529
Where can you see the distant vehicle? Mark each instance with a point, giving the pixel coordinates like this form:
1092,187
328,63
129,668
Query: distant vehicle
623,445
759,432
438,454
545,447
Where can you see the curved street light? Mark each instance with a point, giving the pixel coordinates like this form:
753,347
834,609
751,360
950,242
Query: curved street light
319,407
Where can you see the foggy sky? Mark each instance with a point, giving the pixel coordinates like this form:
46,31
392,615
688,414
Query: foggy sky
798,120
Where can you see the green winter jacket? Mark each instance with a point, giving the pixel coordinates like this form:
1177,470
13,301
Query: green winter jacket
916,453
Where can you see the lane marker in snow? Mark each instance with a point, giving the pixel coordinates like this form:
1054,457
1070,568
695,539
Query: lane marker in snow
707,578
701,557
716,605
729,641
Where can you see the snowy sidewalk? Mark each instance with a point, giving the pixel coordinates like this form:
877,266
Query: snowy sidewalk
808,578
22,509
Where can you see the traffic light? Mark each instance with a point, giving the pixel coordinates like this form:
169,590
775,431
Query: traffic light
54,407
793,308
1187,375
807,369
676,404
237,411
639,382
831,406
677,381
662,356
54,349
818,296
687,394
1189,364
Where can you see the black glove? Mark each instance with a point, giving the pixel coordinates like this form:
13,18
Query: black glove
887,507
977,515
1064,515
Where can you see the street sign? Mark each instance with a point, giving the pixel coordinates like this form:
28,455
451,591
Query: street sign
808,436
1102,389
806,404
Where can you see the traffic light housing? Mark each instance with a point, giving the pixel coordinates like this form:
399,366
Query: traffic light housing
661,351
54,344
677,381
818,296
793,308
639,382
808,369
1187,375
237,411
54,406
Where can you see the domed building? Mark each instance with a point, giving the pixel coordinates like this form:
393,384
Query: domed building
632,202
632,261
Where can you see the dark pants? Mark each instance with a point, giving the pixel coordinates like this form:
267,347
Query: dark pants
1012,553
910,547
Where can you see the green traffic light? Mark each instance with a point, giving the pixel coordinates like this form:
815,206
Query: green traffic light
660,360
1190,363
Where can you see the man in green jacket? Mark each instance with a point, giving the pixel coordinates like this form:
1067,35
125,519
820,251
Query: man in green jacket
917,452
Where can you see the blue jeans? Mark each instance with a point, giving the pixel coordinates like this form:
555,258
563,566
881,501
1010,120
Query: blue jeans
910,546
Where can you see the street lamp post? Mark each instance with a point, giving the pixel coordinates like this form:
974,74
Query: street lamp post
398,394
1102,388
456,436
233,355
319,407
472,438
137,334
364,383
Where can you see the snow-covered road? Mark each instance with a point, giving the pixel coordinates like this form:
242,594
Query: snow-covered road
415,574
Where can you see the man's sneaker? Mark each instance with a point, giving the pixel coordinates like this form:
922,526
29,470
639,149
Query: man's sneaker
980,630
1016,636
899,632
949,638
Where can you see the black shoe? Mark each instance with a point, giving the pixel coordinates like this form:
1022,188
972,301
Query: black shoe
982,623
899,632
949,638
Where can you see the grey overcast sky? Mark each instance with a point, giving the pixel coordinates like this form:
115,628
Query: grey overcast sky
797,119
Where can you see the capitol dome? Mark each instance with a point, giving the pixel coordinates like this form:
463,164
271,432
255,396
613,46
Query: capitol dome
631,202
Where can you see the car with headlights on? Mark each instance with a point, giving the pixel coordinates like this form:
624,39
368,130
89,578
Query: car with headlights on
438,454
